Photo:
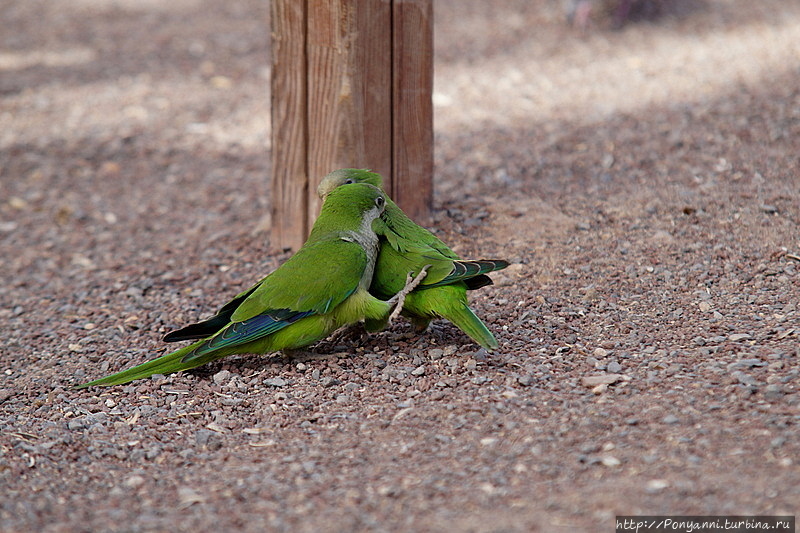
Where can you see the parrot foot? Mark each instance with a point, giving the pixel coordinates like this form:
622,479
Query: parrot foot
354,332
411,283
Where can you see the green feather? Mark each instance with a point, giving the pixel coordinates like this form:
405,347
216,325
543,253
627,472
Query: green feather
407,247
322,287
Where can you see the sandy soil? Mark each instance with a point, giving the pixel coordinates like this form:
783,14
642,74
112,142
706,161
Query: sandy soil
645,183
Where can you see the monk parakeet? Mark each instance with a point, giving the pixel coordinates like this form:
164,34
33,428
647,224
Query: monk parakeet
406,247
320,288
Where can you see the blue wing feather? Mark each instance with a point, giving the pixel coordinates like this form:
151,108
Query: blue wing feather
248,330
330,268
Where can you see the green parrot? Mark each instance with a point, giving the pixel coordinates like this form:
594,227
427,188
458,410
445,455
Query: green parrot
321,288
406,247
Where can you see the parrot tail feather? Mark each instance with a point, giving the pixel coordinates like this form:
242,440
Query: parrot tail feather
465,320
477,282
208,327
166,364
201,330
466,270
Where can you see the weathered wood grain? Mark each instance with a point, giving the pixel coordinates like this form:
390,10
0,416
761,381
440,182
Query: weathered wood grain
290,181
412,109
343,96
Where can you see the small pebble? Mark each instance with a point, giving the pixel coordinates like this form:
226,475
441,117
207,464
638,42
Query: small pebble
221,377
135,481
202,436
745,379
188,496
656,485
328,381
610,461
746,363
76,423
435,354
276,382
591,295
773,391
481,355
602,379
152,452
700,341
525,380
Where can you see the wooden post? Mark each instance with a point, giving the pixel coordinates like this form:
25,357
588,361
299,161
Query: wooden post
351,87
289,128
412,108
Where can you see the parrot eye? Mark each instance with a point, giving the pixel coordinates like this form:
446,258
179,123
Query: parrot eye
379,201
348,181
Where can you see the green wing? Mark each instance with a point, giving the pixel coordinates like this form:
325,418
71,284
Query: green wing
320,276
405,235
400,255
309,283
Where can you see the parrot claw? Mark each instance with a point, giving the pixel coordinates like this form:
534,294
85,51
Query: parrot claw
411,283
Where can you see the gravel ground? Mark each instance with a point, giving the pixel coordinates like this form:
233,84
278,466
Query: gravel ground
645,183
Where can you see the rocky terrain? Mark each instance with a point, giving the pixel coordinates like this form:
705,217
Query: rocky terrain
644,182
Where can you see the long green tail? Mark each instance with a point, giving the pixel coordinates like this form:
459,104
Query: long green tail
464,319
448,302
165,364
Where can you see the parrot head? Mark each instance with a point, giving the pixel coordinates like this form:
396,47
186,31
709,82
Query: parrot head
345,176
352,206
